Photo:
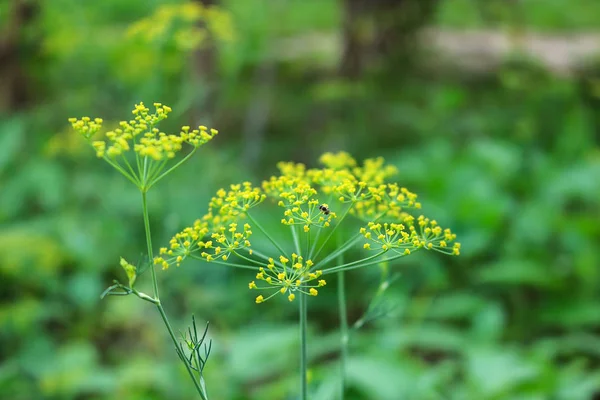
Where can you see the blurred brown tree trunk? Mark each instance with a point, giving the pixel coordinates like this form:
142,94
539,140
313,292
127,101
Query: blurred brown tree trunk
15,90
381,32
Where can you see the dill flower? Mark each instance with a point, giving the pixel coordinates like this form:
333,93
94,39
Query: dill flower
225,241
239,199
288,276
315,203
217,234
138,149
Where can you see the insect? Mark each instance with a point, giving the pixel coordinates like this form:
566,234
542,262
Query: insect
324,209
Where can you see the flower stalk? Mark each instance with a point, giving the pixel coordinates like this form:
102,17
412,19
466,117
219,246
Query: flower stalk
302,306
363,194
343,313
140,139
344,332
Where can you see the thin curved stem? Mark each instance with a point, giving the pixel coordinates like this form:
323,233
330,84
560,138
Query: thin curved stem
342,249
116,166
144,175
224,263
167,172
296,240
314,245
350,266
155,169
157,299
149,245
341,267
178,351
344,337
255,222
264,257
248,259
308,240
303,347
303,325
133,174
333,230
383,285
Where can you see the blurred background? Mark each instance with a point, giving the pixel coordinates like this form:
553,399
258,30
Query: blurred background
490,109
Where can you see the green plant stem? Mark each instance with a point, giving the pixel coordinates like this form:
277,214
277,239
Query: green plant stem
116,166
178,351
296,240
308,239
157,299
303,356
250,260
149,245
303,323
383,286
129,166
224,263
356,264
333,231
265,257
167,172
359,264
266,234
344,333
155,169
340,250
144,175
314,245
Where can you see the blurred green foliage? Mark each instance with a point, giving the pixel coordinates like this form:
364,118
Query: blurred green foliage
542,15
509,159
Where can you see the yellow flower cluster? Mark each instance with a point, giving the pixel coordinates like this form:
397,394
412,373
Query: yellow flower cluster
181,22
182,245
219,244
374,171
436,238
85,126
383,201
219,226
405,238
142,135
364,187
329,180
337,161
298,198
282,278
362,191
238,200
226,241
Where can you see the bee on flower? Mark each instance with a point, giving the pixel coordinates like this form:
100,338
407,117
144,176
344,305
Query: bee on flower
324,209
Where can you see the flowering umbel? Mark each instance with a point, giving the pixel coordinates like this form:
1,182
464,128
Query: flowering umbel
138,148
144,154
314,203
